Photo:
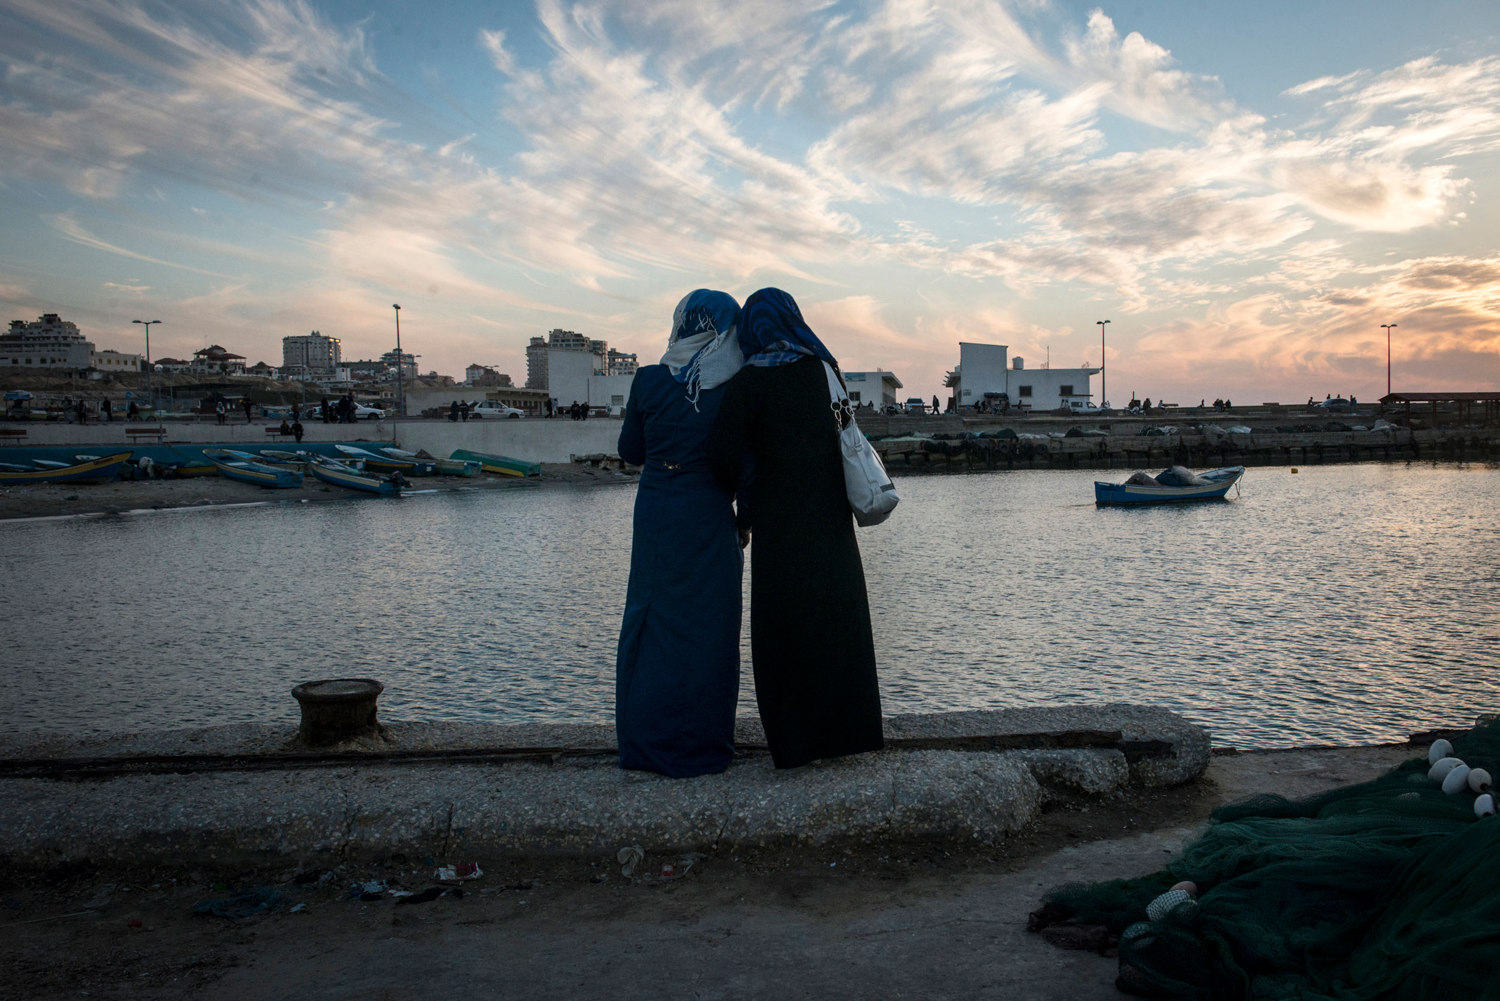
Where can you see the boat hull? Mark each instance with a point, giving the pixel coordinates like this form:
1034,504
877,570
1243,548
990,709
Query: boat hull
98,470
260,474
342,476
1123,494
457,467
500,464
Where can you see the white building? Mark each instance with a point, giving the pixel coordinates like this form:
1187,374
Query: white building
982,370
541,351
872,389
114,362
311,356
47,342
215,360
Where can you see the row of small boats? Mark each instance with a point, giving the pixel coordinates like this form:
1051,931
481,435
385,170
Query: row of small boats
384,470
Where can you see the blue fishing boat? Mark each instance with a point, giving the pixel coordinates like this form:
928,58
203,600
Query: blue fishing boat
340,475
233,467
387,463
96,469
1169,486
422,465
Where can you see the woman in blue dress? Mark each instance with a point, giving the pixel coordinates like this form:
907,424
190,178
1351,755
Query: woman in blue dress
677,668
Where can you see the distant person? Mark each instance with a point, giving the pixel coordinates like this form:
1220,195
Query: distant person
1227,405
548,404
677,666
573,410
221,413
935,408
104,408
297,430
249,410
285,427
1146,407
323,410
83,412
132,412
296,412
453,412
583,410
810,639
464,409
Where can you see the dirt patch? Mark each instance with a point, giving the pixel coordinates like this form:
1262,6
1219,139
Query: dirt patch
133,932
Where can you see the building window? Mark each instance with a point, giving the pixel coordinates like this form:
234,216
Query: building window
853,396
1065,390
1025,390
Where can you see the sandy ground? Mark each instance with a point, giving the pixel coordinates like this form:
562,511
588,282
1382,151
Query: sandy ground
869,921
46,500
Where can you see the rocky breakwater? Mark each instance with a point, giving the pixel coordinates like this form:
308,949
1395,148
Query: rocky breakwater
496,791
1132,444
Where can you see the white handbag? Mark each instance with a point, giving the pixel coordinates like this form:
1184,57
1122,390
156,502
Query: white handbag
872,495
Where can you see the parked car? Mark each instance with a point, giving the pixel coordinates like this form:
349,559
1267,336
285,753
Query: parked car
1336,405
915,406
362,412
492,408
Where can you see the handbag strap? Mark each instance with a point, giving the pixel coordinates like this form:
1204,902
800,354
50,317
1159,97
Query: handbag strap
839,402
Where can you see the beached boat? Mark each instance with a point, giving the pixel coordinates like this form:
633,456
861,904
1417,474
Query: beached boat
457,467
501,464
232,466
422,465
386,463
340,475
96,469
1169,486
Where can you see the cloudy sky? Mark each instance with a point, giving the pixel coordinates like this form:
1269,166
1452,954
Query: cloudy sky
1246,191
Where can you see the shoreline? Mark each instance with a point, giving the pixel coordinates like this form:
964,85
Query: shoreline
47,501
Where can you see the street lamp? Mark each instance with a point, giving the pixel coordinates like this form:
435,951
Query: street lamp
1388,328
150,382
1103,379
400,364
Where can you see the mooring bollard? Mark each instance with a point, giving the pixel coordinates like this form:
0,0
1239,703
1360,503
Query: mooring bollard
337,709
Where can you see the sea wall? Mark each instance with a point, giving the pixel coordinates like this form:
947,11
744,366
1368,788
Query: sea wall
915,444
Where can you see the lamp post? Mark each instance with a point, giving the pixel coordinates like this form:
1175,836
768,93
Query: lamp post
400,364
1103,379
1388,328
150,381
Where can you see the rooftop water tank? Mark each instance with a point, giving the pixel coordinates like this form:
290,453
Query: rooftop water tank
1020,364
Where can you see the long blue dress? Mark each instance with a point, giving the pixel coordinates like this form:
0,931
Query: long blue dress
677,669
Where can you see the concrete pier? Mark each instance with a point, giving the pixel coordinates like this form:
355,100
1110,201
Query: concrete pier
443,790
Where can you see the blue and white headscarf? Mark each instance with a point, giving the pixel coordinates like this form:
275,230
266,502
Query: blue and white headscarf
772,331
704,349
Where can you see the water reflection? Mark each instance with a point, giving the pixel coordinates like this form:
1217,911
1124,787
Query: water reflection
1343,604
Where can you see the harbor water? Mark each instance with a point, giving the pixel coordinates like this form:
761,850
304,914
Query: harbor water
1335,605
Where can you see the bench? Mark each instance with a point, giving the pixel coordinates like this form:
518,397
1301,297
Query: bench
12,432
157,432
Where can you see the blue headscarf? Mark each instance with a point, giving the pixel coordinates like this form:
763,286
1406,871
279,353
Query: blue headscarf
704,349
774,333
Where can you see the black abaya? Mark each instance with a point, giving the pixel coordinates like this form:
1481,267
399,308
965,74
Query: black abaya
814,659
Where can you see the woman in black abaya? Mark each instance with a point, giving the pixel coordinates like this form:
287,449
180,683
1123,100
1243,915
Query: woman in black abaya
814,659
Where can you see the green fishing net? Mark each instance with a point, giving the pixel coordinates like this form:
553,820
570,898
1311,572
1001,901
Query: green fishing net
1389,889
